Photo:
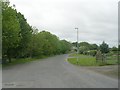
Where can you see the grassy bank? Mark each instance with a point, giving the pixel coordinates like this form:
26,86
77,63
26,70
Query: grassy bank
85,60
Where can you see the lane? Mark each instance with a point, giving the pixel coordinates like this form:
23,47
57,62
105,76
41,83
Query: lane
54,72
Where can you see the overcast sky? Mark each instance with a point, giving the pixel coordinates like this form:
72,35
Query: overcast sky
97,20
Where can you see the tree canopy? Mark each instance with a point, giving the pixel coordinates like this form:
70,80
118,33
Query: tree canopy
20,40
104,48
10,30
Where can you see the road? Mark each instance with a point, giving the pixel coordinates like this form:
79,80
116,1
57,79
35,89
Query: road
54,72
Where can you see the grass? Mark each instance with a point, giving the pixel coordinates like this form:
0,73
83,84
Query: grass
84,60
18,61
23,60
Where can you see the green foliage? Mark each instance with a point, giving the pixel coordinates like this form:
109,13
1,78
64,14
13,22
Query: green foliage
45,43
87,49
20,40
83,49
65,46
84,44
92,52
25,36
114,49
104,48
74,44
93,46
88,45
10,30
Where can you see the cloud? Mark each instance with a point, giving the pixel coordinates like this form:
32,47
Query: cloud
96,19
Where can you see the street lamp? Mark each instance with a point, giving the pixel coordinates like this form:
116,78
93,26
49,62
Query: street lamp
77,45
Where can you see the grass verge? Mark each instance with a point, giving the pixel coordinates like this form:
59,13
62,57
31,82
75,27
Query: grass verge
23,60
18,61
84,60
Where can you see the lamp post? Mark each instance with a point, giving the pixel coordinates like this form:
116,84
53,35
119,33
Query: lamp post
77,45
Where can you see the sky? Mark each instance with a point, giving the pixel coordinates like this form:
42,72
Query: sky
96,20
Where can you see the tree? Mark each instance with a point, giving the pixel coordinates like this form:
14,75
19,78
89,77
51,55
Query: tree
25,36
10,30
83,49
20,40
104,48
65,46
48,43
92,52
45,43
94,47
86,44
74,44
114,49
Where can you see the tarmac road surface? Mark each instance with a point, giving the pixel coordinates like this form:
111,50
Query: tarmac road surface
54,72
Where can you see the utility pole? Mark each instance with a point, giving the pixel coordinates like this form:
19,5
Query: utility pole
77,45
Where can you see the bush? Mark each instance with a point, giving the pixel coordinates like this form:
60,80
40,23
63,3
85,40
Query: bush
92,52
